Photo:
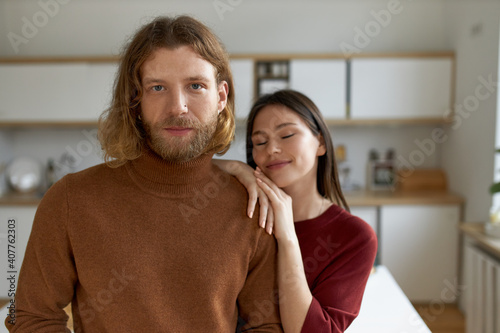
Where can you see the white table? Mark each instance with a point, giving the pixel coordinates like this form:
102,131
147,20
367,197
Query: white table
386,309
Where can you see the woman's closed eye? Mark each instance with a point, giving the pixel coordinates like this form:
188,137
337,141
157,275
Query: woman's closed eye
288,136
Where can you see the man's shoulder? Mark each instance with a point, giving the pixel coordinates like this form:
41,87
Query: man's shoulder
229,181
97,175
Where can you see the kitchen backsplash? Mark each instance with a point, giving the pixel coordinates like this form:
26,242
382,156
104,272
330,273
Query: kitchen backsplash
76,149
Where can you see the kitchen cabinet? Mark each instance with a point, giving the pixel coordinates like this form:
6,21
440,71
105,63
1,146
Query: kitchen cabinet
54,92
480,279
419,245
324,82
99,84
369,214
482,291
23,217
243,72
43,92
399,88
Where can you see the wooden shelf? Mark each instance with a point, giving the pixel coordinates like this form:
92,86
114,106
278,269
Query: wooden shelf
46,124
58,60
376,122
285,56
388,197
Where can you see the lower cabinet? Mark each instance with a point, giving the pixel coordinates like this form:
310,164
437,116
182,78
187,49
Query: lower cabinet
369,214
481,287
15,229
419,245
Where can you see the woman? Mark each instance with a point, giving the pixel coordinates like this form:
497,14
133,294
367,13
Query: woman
325,254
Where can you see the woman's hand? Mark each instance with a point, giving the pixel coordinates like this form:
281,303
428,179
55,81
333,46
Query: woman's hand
281,204
245,175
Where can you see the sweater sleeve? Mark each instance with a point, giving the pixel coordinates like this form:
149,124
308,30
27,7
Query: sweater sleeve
47,276
339,289
257,301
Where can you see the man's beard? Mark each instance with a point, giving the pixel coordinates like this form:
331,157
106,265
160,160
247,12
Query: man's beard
180,149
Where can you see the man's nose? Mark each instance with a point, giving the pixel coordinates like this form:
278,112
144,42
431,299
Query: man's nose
177,103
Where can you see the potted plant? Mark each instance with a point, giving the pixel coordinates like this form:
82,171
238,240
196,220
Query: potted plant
492,227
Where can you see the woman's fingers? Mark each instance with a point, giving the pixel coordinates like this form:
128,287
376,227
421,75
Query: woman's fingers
270,192
270,221
264,209
252,201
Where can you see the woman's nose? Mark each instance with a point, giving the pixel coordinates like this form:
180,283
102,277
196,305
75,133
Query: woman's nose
273,147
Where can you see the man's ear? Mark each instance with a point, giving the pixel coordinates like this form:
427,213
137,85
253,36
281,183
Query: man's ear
322,146
223,91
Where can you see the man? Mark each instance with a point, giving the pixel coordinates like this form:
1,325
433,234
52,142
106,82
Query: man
156,239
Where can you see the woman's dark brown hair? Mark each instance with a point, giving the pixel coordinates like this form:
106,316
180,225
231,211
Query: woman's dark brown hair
327,178
121,132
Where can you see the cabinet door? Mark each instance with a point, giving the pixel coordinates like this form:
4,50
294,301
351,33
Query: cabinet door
324,82
100,81
243,73
22,218
419,245
43,92
367,214
400,88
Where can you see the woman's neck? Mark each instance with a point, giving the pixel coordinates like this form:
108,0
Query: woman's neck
307,202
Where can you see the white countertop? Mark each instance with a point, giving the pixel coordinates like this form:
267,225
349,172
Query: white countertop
386,309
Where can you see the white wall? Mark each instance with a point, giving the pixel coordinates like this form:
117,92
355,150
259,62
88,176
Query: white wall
99,27
468,155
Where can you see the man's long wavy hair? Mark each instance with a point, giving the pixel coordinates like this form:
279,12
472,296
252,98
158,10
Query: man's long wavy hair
121,132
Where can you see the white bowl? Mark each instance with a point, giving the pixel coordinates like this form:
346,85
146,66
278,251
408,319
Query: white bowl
24,174
492,229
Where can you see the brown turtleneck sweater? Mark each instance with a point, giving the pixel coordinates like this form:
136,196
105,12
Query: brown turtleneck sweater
147,247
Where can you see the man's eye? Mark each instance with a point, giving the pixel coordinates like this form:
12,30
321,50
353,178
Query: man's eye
157,88
196,86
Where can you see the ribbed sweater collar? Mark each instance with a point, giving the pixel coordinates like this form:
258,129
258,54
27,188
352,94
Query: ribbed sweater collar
165,178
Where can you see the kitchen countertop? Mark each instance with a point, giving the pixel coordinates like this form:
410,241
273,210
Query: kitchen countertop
385,308
476,231
354,198
388,197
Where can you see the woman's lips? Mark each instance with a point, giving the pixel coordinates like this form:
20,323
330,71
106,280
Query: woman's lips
277,165
178,131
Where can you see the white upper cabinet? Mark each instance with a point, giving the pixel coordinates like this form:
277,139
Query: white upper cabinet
243,78
324,82
62,92
396,88
100,82
43,92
